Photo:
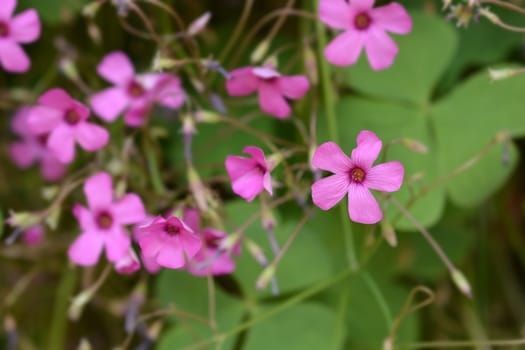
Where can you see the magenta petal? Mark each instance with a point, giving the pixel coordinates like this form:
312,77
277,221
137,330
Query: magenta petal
191,218
42,120
386,177
129,209
86,249
98,190
117,244
293,87
344,50
249,185
150,244
367,150
51,168
380,49
150,264
362,4
256,153
267,183
136,115
109,103
191,244
12,56
242,82
271,100
56,98
91,137
116,68
330,157
393,18
62,143
25,27
329,191
84,217
362,206
171,255
7,9
168,91
335,13
23,154
238,166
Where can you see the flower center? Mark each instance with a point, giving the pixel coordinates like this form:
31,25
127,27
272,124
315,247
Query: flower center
213,242
104,220
362,21
135,89
357,175
260,168
4,29
171,229
72,117
42,139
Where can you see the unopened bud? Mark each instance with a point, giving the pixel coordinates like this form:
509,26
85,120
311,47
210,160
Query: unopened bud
415,146
502,136
94,32
260,51
387,344
388,232
228,243
491,16
188,125
462,283
49,192
198,189
462,13
210,117
78,304
446,4
90,10
53,218
267,274
84,344
256,252
500,74
22,219
199,24
310,62
68,68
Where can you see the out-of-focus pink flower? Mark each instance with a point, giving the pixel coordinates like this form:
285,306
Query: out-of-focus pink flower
34,235
32,149
272,87
128,264
133,94
250,176
364,27
355,176
150,263
14,30
102,222
65,121
209,259
167,241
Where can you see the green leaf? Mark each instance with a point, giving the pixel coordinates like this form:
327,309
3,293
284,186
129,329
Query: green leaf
54,11
423,56
306,326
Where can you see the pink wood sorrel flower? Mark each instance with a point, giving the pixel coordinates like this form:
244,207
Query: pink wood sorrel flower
102,222
65,121
166,241
209,259
273,88
364,27
133,94
31,149
250,176
355,176
14,30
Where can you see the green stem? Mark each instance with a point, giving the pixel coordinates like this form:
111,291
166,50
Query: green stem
153,166
379,297
58,329
329,103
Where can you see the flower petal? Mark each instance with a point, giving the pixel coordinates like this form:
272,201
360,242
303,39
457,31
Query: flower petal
117,244
329,191
25,27
362,4
7,9
345,49
256,153
56,98
98,190
271,100
51,168
109,103
84,217
91,137
42,120
362,206
386,177
116,68
129,209
191,218
238,166
12,56
335,13
293,87
249,185
380,49
171,254
168,91
191,244
62,143
136,115
86,249
23,154
330,157
242,82
393,18
267,183
367,150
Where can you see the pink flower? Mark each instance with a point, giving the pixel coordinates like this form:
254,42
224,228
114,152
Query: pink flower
102,222
355,176
150,263
128,264
33,235
166,241
32,149
23,28
133,94
272,88
209,259
65,121
249,176
364,27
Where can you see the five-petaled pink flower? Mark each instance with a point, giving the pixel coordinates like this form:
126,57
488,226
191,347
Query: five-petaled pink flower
131,93
14,30
209,259
250,176
166,241
32,149
273,88
102,222
65,121
364,27
355,176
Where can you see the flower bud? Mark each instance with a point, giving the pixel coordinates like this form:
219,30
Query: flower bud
78,304
199,24
388,232
267,274
415,145
260,51
500,74
462,283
